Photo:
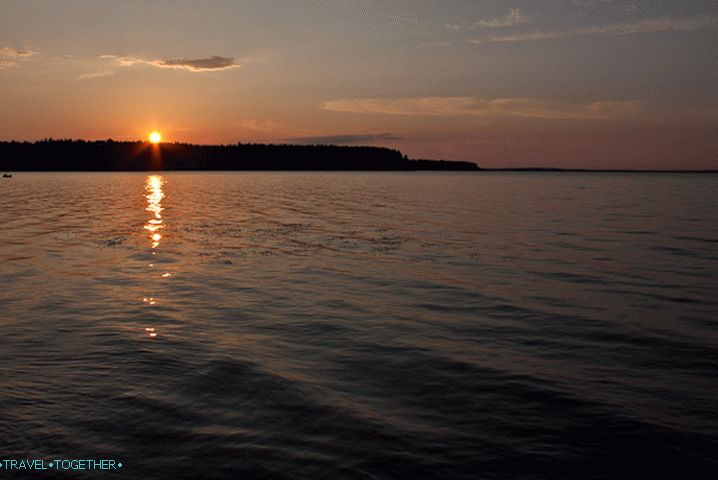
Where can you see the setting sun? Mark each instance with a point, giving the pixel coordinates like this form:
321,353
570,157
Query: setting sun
155,137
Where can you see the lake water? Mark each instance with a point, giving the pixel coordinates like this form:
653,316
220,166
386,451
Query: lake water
368,326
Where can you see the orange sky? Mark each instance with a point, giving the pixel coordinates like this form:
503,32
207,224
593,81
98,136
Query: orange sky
592,84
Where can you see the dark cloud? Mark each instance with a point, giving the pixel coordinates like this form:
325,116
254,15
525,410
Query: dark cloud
212,64
201,64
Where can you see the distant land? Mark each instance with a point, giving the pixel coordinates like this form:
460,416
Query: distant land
110,155
140,156
591,170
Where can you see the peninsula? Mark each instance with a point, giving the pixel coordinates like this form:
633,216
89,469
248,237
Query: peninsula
110,155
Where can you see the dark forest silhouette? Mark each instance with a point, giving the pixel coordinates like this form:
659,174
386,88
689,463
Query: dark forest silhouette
109,155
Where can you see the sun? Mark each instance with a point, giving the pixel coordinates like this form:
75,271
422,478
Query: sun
155,137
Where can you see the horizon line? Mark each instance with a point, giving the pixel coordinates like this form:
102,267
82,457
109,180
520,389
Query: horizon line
537,169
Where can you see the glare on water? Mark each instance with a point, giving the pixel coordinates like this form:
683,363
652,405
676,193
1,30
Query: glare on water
154,195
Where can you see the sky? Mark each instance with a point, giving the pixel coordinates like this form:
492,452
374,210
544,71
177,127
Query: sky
503,83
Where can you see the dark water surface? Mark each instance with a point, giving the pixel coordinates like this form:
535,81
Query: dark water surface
369,326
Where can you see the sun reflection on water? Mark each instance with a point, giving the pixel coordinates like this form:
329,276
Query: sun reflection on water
154,196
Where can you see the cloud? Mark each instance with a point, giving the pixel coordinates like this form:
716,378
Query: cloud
268,128
9,56
103,73
643,26
347,139
260,125
620,4
123,61
436,44
479,107
514,17
211,64
9,52
405,20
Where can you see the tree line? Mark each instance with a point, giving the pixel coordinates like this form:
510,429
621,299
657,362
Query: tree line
110,155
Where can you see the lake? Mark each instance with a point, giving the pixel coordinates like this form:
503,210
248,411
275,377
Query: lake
361,325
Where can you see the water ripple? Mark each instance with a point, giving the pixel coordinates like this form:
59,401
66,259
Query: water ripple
295,325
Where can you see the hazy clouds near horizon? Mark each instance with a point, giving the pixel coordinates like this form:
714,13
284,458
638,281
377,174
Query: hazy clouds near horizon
584,83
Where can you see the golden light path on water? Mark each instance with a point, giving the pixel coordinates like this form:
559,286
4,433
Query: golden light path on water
154,195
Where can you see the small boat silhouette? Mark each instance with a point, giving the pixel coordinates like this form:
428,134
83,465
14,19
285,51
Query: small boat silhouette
7,175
